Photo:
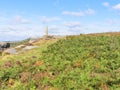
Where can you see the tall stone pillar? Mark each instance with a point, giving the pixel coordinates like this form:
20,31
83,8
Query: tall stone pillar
46,30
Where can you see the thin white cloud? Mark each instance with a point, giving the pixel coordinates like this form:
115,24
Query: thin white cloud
3,20
23,31
79,14
54,27
62,30
73,13
19,19
90,11
72,24
47,20
117,7
111,21
106,4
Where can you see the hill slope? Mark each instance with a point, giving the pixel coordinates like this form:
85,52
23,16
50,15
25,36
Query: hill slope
84,62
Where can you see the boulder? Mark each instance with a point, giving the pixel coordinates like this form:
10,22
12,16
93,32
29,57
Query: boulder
10,51
20,46
4,45
29,47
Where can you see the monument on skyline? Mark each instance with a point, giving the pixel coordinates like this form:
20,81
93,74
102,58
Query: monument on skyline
46,30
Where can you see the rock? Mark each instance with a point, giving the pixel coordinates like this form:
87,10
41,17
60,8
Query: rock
48,37
10,51
20,46
4,45
18,49
33,40
1,49
28,44
29,47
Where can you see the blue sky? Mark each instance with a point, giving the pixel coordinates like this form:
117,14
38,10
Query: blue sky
20,19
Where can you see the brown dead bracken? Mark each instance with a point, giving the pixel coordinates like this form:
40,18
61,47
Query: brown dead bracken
24,77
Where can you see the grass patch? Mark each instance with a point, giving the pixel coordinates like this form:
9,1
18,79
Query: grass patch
84,62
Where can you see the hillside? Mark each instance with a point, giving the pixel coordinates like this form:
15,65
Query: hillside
16,43
83,62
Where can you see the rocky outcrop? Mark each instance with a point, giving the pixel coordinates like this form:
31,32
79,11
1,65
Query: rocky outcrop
10,51
29,47
4,45
18,49
20,46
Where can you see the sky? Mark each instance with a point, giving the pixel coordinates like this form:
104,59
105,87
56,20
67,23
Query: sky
20,19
